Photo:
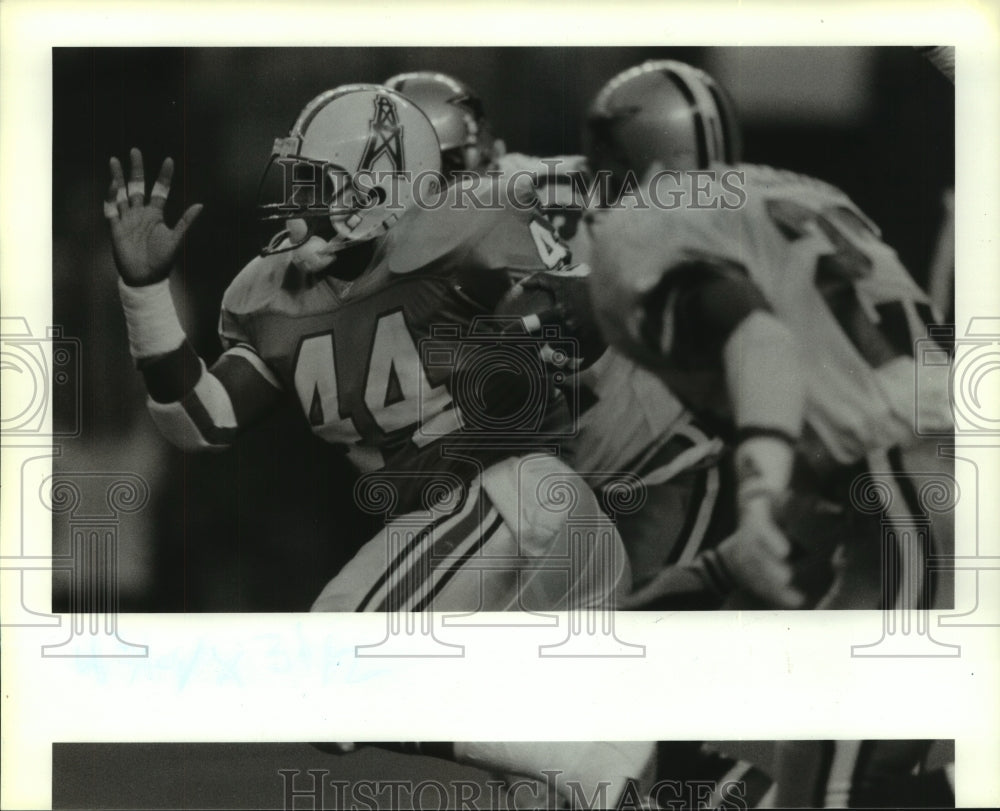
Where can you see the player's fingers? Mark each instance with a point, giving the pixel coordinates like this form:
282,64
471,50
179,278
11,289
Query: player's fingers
110,204
136,179
117,176
118,184
161,188
186,219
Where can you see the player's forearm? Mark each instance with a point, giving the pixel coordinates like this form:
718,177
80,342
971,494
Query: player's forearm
765,388
190,405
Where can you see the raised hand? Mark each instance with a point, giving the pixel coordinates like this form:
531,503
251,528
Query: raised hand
144,247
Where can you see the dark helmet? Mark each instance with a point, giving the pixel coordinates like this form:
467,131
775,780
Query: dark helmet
456,113
663,111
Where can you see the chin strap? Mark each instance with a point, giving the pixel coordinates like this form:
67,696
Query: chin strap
347,233
315,254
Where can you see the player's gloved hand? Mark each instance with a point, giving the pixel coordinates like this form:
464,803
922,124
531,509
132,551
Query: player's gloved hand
757,555
560,299
144,247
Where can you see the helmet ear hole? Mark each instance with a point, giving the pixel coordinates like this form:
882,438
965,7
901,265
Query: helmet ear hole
375,196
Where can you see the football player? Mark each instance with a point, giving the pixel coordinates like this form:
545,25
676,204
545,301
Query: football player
373,260
770,304
632,439
636,443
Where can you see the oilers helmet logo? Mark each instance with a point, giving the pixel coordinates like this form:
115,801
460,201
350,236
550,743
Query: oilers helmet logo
385,138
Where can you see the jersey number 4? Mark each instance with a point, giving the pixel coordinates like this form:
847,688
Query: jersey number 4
551,251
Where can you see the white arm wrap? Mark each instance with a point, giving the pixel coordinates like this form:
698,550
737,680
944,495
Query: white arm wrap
763,467
153,328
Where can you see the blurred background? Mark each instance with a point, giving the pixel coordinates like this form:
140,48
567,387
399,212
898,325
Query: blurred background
264,526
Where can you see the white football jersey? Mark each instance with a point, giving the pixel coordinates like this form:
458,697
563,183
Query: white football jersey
822,266
633,432
625,413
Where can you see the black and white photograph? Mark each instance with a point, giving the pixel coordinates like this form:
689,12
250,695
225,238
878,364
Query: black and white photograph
560,401
624,401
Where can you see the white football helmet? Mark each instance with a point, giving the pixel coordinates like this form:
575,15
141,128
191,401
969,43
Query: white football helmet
357,157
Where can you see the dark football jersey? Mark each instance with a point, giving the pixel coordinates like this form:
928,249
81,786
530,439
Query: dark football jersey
372,361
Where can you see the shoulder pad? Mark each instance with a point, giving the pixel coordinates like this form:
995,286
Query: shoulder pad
452,225
817,194
257,284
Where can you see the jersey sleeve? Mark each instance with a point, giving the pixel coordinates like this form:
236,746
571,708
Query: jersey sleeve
521,241
232,331
698,303
699,284
505,246
249,292
197,408
200,408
